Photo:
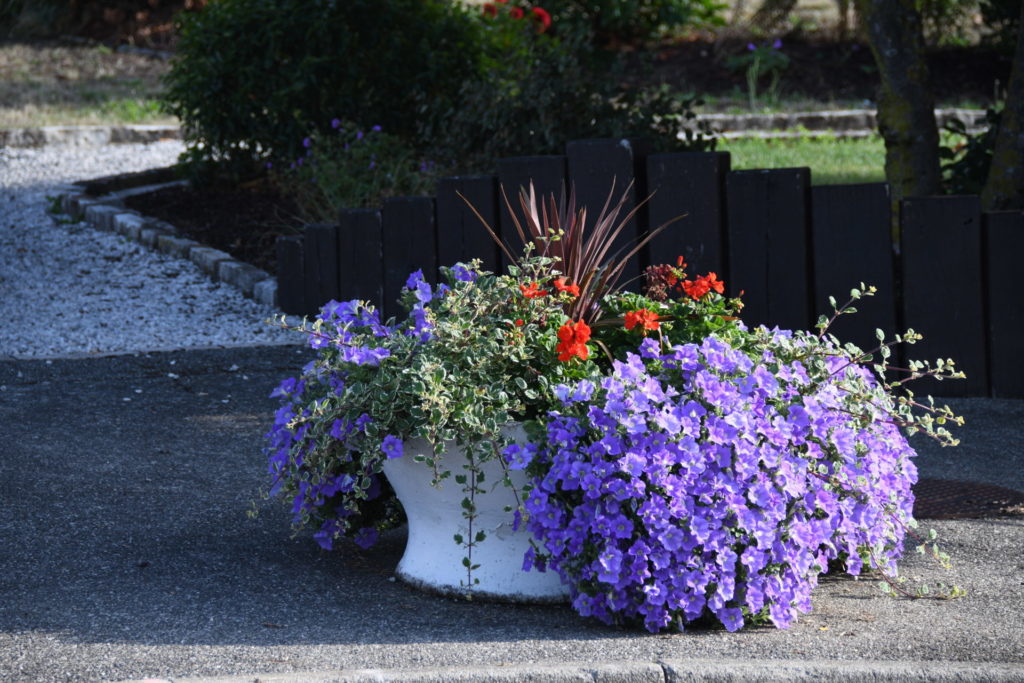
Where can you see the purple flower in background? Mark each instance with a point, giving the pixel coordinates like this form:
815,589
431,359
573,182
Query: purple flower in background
376,129
335,124
751,47
359,135
307,143
270,164
777,45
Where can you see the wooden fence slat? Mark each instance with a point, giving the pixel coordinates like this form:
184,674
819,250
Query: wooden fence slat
320,254
548,174
852,242
460,236
690,184
942,291
602,168
409,243
767,219
360,263
291,281
1004,232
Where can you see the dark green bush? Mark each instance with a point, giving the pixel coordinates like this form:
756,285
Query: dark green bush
967,156
253,77
615,22
540,91
352,167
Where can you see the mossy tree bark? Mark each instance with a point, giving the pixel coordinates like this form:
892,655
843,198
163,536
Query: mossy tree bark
1004,188
906,106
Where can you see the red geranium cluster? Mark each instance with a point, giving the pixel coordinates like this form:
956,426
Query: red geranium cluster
537,14
702,285
572,341
561,286
532,291
647,320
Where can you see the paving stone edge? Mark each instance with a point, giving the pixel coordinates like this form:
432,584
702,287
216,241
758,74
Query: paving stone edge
665,671
108,213
840,122
86,136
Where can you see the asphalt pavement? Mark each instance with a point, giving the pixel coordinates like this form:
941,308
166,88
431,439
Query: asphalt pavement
127,552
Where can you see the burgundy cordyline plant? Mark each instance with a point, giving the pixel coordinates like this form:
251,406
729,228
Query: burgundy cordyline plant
694,470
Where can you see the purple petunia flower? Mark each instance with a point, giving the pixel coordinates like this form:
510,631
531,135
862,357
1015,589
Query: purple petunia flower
392,447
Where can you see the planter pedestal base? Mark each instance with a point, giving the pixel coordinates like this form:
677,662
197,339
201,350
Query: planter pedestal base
433,561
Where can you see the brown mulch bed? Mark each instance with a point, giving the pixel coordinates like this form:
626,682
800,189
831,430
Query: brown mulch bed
245,222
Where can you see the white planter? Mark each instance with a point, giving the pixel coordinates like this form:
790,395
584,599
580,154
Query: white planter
433,560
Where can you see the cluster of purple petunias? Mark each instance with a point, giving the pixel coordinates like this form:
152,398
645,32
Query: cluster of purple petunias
709,481
335,499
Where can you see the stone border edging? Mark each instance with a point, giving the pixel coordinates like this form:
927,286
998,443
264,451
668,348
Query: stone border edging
109,214
836,121
86,136
840,122
665,671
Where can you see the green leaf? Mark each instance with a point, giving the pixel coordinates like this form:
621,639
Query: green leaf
480,537
460,540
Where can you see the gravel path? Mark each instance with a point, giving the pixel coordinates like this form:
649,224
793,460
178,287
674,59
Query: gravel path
68,289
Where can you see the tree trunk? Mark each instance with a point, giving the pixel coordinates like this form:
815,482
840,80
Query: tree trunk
906,106
1004,188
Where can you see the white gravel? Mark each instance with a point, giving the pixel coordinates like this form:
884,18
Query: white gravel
68,289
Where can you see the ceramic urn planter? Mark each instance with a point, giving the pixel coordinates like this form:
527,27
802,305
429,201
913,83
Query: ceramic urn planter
433,561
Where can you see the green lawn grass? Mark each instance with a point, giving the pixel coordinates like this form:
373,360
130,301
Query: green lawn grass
832,160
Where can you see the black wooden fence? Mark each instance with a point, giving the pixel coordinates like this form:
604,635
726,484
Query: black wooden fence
943,267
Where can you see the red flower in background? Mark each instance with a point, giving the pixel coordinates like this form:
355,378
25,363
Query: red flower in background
543,19
516,13
573,341
490,10
648,320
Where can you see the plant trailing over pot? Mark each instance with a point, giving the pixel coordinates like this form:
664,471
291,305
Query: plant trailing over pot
679,465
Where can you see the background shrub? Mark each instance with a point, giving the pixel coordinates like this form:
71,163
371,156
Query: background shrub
614,22
253,77
352,167
459,86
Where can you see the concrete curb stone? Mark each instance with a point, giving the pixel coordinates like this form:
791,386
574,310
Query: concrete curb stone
175,246
149,235
842,121
667,671
86,136
265,292
208,259
241,275
102,215
129,225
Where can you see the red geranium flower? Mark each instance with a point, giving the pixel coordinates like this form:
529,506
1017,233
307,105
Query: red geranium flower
648,320
714,283
543,19
532,291
562,287
702,285
516,13
573,341
490,10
